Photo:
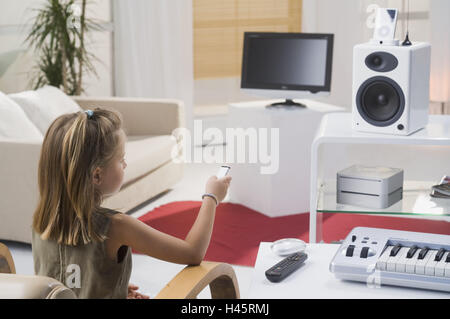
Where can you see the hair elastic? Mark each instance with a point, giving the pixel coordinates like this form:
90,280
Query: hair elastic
89,113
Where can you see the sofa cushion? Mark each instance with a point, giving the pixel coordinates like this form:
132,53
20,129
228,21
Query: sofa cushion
14,123
143,154
44,105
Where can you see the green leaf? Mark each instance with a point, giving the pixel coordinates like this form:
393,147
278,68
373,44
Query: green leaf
59,47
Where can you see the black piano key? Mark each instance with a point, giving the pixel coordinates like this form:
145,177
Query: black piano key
423,252
395,250
439,254
411,251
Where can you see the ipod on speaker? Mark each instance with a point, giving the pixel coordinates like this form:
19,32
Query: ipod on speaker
385,24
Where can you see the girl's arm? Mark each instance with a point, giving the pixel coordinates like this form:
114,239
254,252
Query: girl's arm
129,231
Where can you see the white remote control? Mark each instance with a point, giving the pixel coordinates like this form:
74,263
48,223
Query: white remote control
223,171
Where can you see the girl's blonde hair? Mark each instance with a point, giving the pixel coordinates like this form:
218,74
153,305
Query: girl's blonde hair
74,145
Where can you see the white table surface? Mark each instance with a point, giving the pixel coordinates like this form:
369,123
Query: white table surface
314,280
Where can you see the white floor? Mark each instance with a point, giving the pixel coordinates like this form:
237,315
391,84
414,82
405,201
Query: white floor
148,273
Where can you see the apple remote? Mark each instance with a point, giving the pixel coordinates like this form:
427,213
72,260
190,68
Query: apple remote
223,171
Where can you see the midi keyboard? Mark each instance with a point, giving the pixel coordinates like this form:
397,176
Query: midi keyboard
392,257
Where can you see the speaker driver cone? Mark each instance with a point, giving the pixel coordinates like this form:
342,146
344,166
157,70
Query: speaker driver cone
380,101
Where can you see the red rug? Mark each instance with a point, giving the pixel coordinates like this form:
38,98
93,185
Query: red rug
238,230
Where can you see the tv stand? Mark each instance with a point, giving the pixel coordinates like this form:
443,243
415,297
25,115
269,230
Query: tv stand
287,103
281,187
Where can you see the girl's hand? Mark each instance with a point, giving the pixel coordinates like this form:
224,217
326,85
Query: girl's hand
133,294
218,187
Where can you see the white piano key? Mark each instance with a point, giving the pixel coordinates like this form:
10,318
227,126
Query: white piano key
411,263
430,267
439,270
391,263
447,270
381,262
421,263
400,265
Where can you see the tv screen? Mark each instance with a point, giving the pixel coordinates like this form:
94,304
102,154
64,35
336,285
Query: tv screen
287,61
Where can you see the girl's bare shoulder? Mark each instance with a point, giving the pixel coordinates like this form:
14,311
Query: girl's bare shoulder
121,222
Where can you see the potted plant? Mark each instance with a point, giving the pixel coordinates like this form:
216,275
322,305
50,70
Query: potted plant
58,37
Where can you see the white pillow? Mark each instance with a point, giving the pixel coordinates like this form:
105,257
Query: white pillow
14,123
44,105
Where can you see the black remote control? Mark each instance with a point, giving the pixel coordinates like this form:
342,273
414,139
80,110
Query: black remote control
286,267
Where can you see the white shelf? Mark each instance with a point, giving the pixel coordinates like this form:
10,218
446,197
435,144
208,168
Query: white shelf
416,201
336,128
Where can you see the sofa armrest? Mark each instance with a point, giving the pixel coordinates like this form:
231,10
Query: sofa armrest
141,116
19,192
189,282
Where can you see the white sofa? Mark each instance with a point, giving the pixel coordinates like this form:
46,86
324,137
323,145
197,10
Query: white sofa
148,123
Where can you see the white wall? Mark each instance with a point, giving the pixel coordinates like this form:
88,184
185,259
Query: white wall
15,17
440,53
220,91
348,20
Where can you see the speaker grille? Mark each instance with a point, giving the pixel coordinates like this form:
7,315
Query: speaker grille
380,101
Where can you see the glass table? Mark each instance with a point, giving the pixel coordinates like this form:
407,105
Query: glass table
424,156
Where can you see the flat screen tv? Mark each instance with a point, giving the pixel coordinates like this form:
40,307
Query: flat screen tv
287,65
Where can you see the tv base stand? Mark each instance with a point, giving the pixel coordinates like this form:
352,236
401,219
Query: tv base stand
288,103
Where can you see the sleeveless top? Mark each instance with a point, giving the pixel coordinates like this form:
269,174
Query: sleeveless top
85,268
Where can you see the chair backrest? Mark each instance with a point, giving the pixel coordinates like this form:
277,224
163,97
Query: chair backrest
189,282
6,262
14,286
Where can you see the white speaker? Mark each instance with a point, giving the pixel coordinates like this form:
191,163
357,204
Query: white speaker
390,88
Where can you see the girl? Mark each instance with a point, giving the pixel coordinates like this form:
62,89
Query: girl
85,246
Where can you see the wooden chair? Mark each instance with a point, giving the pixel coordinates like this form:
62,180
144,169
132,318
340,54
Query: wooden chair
6,261
188,283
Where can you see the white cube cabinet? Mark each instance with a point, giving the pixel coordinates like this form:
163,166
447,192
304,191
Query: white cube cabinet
277,182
